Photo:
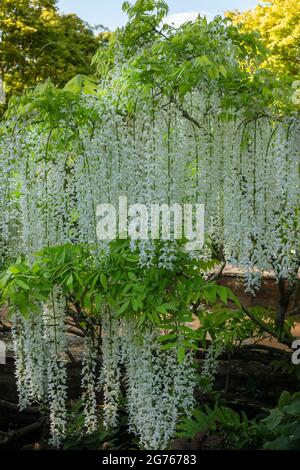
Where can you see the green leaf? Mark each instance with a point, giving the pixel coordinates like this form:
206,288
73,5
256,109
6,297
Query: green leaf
281,443
204,60
164,308
142,319
94,281
213,72
223,294
62,257
210,294
166,347
98,301
3,280
81,83
103,281
180,354
284,399
223,70
293,408
123,308
14,270
22,284
168,337
135,304
274,419
132,276
69,282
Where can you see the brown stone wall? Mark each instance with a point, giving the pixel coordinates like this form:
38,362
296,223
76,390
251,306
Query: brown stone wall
267,296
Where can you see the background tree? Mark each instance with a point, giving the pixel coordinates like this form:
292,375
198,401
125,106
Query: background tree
278,22
38,43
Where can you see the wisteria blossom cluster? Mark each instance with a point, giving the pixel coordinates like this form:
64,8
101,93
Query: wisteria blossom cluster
40,347
210,366
54,172
245,173
89,381
159,390
110,378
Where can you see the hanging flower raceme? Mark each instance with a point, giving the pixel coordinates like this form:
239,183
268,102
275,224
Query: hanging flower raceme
89,381
111,373
159,389
30,359
36,358
22,376
210,366
55,341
